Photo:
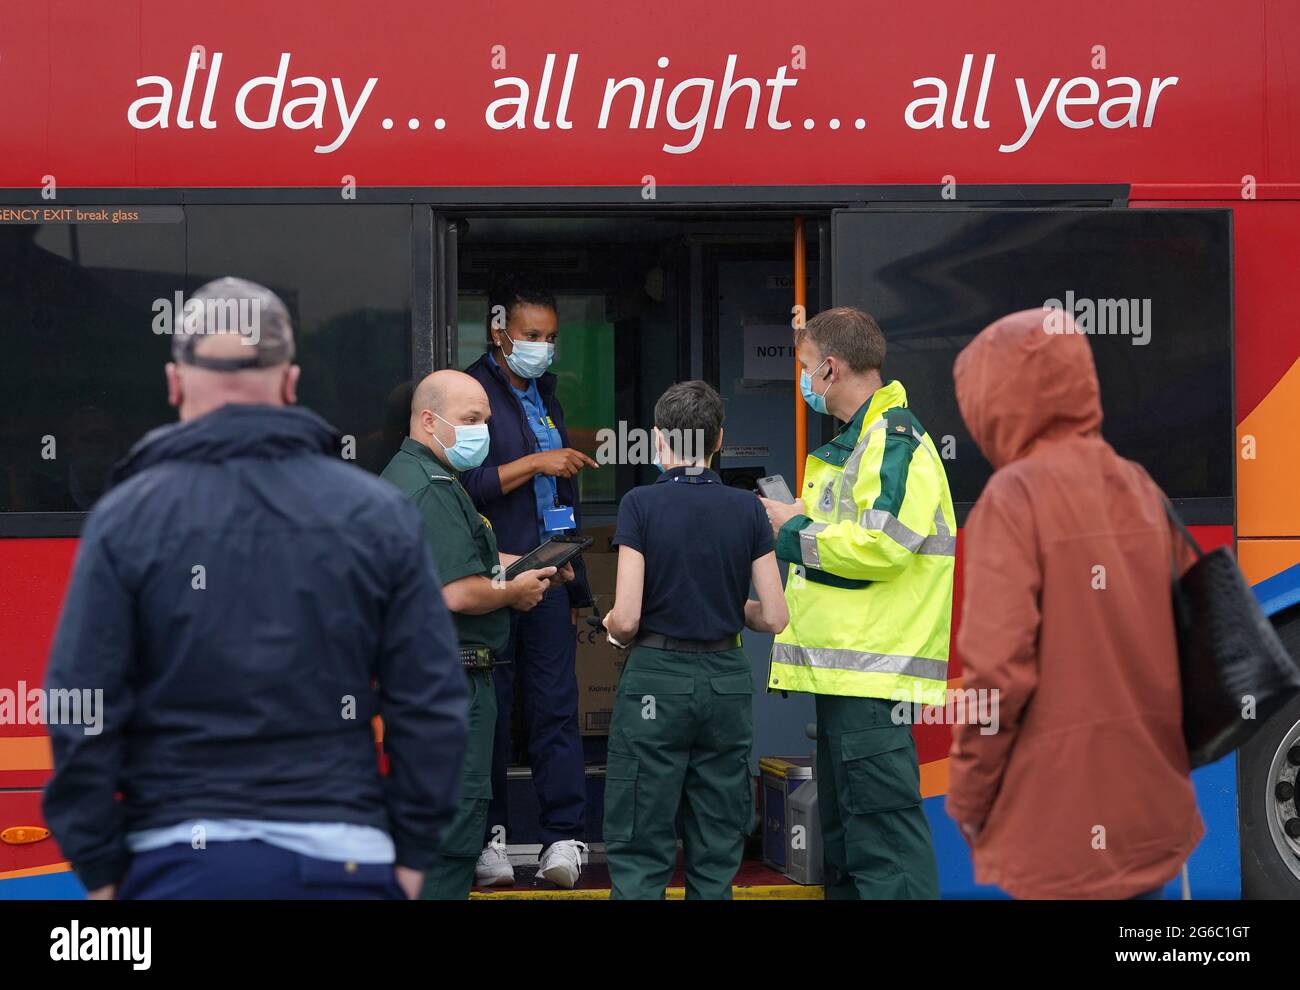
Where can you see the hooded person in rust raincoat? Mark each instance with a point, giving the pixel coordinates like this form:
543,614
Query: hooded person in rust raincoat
1084,790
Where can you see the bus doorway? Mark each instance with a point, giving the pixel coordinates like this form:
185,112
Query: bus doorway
643,302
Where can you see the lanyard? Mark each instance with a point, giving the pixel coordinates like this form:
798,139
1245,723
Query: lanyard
527,408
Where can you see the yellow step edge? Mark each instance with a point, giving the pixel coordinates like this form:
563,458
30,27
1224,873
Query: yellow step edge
759,892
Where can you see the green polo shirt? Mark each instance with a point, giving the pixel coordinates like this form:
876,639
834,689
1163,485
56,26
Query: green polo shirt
460,539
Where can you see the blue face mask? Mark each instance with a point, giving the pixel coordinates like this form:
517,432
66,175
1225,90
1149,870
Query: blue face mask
816,401
529,358
470,448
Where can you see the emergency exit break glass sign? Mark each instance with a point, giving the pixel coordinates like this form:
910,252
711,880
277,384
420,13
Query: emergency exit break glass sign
769,352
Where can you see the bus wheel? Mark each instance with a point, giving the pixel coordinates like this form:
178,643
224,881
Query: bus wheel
1268,802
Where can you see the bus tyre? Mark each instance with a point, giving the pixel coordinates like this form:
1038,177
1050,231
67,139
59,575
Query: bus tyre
1267,768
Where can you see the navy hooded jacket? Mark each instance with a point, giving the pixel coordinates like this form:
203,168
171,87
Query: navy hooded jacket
236,596
514,515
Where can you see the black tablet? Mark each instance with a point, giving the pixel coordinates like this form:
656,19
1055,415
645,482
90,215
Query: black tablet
555,552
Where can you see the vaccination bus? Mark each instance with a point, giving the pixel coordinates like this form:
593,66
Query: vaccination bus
688,179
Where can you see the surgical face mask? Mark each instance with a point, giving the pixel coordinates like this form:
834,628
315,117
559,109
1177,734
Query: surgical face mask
529,358
470,448
816,401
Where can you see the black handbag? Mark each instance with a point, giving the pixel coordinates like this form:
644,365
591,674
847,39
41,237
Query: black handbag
1235,671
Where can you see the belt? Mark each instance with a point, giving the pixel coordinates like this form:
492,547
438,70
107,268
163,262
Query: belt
477,658
655,641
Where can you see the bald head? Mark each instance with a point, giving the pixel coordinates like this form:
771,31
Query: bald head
441,402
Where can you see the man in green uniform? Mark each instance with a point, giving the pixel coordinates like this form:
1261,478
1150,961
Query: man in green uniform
448,434
871,546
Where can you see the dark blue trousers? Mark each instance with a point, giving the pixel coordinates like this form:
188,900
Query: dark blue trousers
544,648
252,871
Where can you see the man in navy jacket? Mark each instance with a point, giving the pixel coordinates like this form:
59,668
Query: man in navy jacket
237,597
527,488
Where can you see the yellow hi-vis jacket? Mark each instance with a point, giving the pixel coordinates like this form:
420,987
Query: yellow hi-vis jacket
870,586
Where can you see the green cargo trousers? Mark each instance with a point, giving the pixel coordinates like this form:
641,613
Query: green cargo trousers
679,738
875,837
453,875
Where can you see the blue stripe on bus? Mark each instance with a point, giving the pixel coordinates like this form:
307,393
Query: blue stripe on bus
1214,868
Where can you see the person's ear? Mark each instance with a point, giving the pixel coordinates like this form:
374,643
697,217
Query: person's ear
174,392
428,421
290,393
717,446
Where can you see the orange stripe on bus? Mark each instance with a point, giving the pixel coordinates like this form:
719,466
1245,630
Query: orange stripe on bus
934,778
26,753
37,871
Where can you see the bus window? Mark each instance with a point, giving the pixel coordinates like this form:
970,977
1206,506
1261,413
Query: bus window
345,274
1157,282
81,379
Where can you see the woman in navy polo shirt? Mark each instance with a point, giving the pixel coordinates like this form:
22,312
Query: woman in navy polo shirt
525,488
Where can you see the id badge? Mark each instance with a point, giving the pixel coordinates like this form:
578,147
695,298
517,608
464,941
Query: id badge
559,518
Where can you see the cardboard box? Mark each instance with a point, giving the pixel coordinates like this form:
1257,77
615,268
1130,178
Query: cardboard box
598,667
601,571
602,535
598,663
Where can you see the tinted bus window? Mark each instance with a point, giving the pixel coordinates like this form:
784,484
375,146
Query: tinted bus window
345,274
82,374
934,279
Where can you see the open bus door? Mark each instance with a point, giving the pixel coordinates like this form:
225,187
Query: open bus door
644,301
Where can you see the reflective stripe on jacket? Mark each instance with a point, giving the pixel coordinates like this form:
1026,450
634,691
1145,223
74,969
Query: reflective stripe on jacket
870,586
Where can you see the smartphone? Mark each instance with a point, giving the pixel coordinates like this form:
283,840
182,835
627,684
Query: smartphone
775,488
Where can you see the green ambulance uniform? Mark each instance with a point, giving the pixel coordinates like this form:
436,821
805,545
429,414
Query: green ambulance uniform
462,544
870,599
689,751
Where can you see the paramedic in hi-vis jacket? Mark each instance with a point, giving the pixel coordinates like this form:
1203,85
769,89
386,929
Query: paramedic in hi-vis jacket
870,543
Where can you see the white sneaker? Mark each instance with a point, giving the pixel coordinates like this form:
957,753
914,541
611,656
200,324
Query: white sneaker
493,868
562,862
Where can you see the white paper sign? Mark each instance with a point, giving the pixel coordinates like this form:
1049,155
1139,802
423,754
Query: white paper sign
769,352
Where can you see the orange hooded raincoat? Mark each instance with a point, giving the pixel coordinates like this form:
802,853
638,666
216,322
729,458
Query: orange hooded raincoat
1084,790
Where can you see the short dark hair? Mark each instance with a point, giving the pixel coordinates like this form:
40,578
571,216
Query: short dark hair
688,407
852,335
509,291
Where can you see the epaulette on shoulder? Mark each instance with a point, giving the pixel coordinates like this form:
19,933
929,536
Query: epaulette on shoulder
900,424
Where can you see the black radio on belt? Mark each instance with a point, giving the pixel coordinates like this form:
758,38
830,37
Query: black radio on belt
476,658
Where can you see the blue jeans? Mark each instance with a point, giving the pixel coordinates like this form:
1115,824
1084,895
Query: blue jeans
252,871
